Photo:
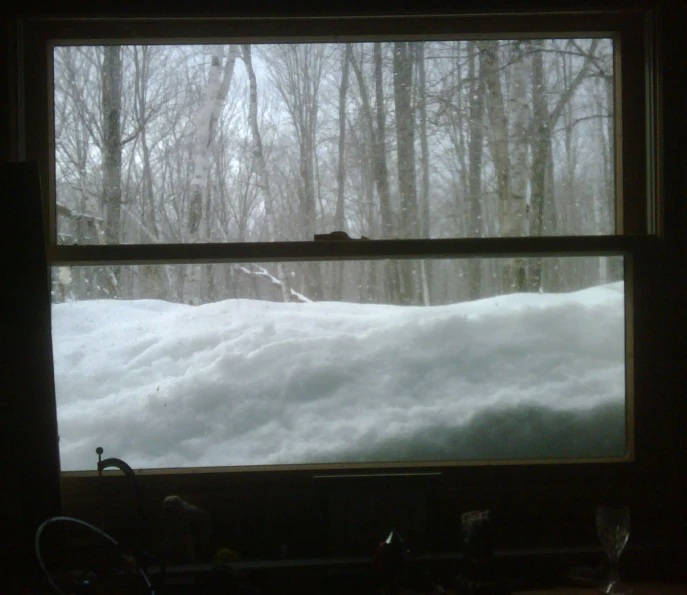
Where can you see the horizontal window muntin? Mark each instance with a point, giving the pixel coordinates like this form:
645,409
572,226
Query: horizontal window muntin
351,249
244,379
326,29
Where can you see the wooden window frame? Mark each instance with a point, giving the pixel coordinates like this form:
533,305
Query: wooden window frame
639,204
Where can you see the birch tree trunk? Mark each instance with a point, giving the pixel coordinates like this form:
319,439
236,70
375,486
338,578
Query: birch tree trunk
219,81
511,178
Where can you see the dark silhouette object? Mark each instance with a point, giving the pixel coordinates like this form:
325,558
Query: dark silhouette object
390,560
477,541
480,574
29,443
225,580
186,531
335,236
141,520
129,472
141,547
76,557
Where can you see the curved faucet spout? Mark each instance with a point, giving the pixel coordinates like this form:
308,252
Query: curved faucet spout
119,464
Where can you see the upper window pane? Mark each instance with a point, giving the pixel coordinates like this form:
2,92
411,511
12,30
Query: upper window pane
275,142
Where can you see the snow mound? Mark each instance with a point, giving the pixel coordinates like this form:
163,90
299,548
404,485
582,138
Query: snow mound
243,382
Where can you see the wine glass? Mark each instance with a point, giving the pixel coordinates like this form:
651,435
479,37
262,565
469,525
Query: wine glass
613,528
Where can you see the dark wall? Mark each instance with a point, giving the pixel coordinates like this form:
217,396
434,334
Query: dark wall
537,505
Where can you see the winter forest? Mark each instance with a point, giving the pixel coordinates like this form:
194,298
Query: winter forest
260,143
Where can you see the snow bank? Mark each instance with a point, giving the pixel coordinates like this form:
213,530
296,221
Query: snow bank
244,382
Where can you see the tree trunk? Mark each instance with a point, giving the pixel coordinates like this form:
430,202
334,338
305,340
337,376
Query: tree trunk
381,170
112,152
476,149
543,217
381,174
424,143
151,277
112,141
405,140
297,73
263,177
219,80
516,205
405,151
339,218
498,142
615,264
498,124
424,227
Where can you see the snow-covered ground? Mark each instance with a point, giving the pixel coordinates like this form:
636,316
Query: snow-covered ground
243,382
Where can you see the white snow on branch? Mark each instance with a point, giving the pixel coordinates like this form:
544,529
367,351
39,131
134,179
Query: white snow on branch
261,272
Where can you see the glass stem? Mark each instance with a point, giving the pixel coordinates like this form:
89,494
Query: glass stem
613,575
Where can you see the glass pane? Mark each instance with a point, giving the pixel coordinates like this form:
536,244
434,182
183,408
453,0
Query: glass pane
229,143
247,378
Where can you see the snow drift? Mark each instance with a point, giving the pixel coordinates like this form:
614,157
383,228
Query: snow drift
243,382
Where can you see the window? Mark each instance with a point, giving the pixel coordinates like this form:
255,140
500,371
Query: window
493,167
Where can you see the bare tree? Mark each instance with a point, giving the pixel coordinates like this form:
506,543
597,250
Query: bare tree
544,218
297,74
381,173
263,177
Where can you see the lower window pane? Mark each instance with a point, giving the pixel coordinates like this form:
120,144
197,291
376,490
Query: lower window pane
359,362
